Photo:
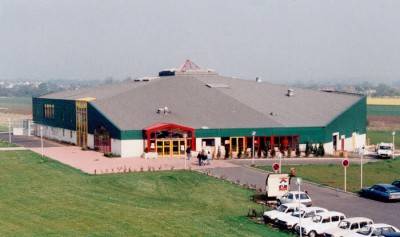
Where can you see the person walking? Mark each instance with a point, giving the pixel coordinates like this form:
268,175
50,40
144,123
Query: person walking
199,157
189,153
209,157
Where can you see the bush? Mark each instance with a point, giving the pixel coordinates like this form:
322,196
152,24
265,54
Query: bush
321,150
298,152
308,149
273,152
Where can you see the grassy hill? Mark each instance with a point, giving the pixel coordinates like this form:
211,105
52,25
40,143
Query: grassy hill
41,197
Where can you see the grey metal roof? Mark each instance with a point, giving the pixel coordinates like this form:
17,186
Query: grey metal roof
240,104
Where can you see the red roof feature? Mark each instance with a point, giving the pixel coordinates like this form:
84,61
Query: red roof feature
189,66
167,126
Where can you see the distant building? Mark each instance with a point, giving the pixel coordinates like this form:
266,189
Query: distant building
201,109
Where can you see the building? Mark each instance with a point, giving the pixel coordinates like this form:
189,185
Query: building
201,109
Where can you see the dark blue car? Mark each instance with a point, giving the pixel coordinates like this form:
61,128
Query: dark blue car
396,183
386,192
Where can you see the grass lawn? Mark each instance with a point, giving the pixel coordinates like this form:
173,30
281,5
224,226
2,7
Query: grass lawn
376,137
41,197
332,175
6,144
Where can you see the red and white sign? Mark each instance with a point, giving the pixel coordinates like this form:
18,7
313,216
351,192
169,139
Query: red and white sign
277,185
275,166
345,163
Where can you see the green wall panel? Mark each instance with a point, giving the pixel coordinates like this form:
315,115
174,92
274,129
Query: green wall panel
97,119
354,119
64,113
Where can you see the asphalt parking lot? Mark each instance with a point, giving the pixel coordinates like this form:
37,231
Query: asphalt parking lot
350,204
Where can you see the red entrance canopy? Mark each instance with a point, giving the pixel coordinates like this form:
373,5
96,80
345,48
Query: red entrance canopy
169,126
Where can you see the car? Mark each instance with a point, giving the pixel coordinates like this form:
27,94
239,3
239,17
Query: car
386,192
347,226
320,223
373,230
384,150
291,221
396,183
284,209
294,196
391,234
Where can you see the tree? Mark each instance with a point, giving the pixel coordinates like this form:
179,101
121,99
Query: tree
321,150
298,152
308,149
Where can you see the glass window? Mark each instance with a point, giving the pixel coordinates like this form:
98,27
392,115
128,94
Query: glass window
208,142
335,218
48,111
326,220
290,196
354,226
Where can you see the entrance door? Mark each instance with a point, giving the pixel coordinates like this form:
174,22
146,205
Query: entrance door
170,147
237,144
334,141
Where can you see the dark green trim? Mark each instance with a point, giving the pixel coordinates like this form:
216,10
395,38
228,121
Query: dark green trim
132,134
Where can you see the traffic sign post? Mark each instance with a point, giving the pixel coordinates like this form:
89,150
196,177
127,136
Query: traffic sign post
345,164
276,167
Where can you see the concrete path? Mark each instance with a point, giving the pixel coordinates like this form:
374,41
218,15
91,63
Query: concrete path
348,203
13,149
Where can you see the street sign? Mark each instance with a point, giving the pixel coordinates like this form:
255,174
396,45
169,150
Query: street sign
275,167
345,163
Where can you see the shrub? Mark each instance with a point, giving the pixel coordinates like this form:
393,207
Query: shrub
298,153
273,152
321,150
308,150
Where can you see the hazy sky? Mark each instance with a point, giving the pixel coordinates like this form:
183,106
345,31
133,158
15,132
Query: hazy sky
277,40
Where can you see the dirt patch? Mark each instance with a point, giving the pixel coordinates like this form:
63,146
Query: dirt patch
384,122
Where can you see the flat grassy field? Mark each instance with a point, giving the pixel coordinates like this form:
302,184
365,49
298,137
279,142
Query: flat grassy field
41,197
333,175
383,110
376,137
6,144
18,105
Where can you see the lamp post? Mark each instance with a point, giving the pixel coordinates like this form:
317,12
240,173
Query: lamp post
9,130
185,137
361,166
253,148
280,162
41,140
393,135
298,181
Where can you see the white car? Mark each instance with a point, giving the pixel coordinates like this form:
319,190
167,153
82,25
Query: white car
285,209
384,150
320,223
373,230
294,196
290,222
347,226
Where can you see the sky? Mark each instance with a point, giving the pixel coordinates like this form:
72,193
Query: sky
276,40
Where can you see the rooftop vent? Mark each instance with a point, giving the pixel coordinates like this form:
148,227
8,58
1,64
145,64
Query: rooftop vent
145,79
217,85
258,79
290,93
164,110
